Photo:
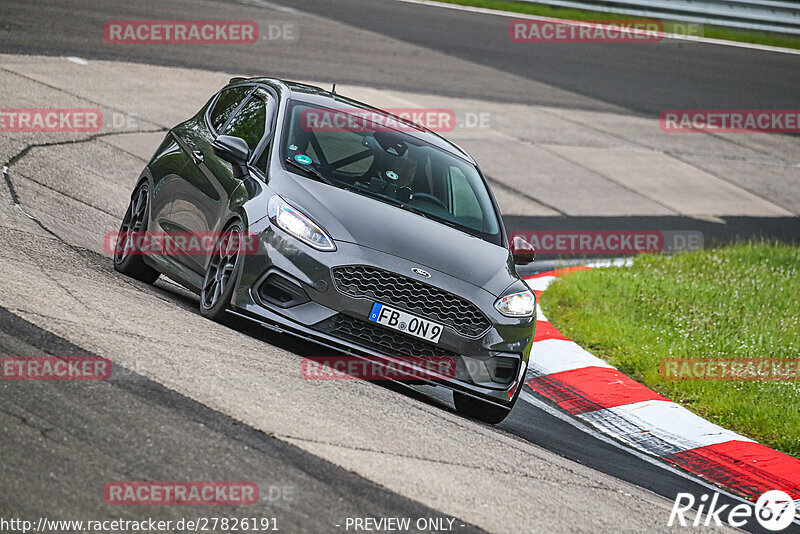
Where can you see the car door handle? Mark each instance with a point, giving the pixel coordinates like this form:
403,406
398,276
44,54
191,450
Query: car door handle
197,156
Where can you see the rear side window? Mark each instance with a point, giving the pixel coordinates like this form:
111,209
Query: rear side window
250,123
226,104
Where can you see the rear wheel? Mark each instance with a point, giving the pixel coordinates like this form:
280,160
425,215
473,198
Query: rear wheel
126,260
480,410
219,282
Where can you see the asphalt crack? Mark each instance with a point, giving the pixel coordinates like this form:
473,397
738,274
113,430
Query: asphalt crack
25,421
18,204
22,153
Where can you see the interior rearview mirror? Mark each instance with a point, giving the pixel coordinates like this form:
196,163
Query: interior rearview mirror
391,143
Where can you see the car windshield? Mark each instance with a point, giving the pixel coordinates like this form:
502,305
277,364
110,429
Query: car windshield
371,154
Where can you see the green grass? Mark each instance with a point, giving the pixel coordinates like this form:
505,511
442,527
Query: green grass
741,301
714,32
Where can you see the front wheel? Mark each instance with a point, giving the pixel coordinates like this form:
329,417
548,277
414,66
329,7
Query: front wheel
480,410
126,259
220,279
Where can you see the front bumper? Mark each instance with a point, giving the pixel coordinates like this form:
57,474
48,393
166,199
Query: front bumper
489,366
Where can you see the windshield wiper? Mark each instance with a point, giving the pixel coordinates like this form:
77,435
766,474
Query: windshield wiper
459,227
425,214
312,171
402,205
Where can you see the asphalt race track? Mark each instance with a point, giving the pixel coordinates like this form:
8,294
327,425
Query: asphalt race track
434,51
675,75
193,400
123,422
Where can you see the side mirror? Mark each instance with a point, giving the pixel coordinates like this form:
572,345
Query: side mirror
522,251
235,151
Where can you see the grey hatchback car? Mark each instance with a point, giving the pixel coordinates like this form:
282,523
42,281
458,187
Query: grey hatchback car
374,237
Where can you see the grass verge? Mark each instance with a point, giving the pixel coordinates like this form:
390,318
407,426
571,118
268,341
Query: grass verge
741,301
710,31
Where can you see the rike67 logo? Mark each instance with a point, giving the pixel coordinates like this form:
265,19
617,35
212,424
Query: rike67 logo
774,510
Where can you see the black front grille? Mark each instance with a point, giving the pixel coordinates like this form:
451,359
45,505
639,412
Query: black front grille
413,296
384,340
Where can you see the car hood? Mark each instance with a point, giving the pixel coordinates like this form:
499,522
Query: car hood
353,218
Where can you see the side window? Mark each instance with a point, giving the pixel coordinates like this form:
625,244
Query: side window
250,123
262,159
226,104
465,205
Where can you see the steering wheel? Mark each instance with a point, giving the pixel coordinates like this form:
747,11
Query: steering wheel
430,198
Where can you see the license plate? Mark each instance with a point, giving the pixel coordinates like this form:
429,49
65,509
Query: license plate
405,322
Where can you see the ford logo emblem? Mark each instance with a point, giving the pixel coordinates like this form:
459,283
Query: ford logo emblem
421,272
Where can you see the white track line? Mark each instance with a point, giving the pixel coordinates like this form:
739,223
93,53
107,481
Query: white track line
652,460
657,425
540,314
541,283
552,356
648,429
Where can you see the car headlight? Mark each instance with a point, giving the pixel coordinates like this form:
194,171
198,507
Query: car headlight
520,304
289,219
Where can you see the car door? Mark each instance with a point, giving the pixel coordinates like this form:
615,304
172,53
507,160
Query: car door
208,181
172,157
165,167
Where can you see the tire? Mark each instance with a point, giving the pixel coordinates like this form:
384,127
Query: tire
480,410
135,220
220,279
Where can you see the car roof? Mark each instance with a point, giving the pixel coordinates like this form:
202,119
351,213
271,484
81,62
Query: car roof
316,95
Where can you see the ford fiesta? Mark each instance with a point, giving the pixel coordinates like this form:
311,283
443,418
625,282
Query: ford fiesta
374,237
